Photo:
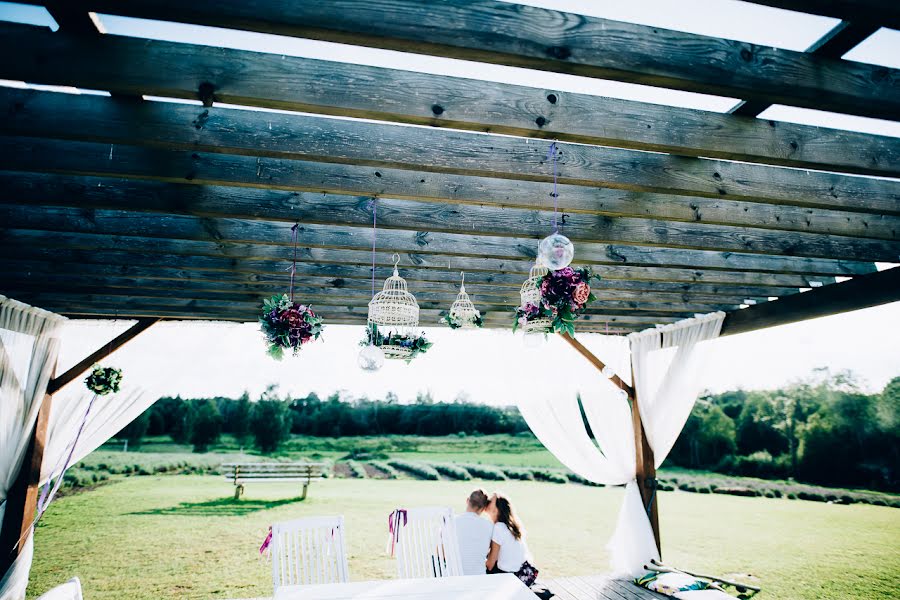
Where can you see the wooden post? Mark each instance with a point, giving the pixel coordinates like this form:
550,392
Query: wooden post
21,501
646,468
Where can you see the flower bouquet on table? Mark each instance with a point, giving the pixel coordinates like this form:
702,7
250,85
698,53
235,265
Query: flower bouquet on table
563,296
396,345
288,324
104,380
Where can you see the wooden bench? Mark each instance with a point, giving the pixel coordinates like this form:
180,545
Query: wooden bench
274,472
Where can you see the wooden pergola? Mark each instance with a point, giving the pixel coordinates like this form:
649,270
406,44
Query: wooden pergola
116,206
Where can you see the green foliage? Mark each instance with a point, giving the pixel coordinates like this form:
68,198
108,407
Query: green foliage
486,472
452,471
520,474
416,344
418,470
104,380
135,431
388,471
207,426
356,469
270,421
183,419
549,476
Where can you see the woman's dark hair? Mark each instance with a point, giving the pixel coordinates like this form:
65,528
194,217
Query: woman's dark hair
507,516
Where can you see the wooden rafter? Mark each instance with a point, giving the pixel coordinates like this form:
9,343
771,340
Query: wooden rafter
258,135
525,36
283,82
883,13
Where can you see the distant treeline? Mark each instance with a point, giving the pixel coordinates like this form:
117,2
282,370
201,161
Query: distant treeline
823,431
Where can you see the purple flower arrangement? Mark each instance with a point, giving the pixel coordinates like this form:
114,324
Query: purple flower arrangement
564,294
287,324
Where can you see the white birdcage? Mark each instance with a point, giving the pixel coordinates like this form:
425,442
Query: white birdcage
394,310
531,294
463,314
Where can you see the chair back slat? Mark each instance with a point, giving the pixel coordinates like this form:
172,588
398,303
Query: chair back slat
426,545
309,551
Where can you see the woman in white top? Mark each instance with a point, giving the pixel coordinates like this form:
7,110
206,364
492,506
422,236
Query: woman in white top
509,553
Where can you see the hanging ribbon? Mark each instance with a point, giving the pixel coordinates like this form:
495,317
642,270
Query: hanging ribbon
374,206
552,155
294,264
266,542
394,527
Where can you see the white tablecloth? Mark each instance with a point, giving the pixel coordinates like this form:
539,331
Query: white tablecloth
474,587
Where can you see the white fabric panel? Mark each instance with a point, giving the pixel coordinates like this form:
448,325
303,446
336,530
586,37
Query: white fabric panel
13,584
70,590
667,363
632,544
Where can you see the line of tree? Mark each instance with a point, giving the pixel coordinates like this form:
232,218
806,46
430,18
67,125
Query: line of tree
823,430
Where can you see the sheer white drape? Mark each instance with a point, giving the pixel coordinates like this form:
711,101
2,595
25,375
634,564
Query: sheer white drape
29,346
667,364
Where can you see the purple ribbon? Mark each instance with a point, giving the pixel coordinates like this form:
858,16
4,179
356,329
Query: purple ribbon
552,155
294,265
394,526
266,542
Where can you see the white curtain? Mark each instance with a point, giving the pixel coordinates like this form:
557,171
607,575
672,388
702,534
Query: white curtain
667,369
29,346
667,364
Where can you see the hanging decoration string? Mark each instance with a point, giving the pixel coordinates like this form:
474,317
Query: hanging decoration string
553,156
374,206
294,263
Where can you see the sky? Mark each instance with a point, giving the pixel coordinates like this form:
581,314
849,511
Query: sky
205,359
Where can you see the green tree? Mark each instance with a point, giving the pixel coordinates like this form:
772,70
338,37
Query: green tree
240,418
207,426
270,422
183,416
135,431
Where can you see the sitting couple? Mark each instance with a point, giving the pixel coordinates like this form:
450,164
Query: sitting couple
496,544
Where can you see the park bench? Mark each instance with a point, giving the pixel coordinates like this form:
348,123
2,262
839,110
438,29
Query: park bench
274,472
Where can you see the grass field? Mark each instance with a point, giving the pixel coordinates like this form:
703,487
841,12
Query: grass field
182,536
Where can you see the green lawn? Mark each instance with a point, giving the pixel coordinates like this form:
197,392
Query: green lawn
181,536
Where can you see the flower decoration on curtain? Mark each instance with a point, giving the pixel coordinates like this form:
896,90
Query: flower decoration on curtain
463,314
285,323
104,380
561,297
393,320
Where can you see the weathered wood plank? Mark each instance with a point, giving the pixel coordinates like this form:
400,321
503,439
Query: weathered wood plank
241,231
885,13
332,209
295,136
538,38
865,291
158,68
20,243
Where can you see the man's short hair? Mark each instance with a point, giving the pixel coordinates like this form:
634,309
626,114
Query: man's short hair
479,500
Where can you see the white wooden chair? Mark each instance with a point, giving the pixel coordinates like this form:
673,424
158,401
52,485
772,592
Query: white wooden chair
426,544
309,551
70,590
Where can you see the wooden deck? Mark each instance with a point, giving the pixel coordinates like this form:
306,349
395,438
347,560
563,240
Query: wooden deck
586,587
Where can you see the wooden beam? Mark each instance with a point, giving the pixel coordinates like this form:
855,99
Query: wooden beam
842,38
582,350
21,498
882,242
158,68
646,469
882,13
302,137
82,366
240,231
537,38
865,291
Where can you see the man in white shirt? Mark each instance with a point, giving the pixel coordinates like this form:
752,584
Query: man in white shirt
473,533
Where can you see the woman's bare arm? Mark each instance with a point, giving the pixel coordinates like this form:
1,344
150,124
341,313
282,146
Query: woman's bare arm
493,555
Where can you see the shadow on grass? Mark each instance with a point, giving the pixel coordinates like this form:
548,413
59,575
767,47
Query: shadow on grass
223,507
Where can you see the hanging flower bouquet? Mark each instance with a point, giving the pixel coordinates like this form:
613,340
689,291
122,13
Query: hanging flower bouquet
104,380
457,321
564,294
287,324
396,345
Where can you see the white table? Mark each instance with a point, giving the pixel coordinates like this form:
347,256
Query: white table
473,587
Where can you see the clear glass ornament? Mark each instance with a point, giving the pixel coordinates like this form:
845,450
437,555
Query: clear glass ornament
556,252
371,358
607,372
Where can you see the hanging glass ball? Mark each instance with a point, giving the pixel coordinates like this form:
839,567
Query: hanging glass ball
607,372
556,252
371,358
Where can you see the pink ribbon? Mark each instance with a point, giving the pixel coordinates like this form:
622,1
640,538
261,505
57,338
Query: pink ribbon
294,264
394,526
266,542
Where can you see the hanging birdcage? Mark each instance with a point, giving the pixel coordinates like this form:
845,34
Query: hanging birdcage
530,295
395,313
463,314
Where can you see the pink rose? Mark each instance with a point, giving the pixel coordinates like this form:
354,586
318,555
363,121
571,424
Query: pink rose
582,293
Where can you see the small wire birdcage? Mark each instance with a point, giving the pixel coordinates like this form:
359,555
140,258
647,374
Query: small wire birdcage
394,310
530,293
463,314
